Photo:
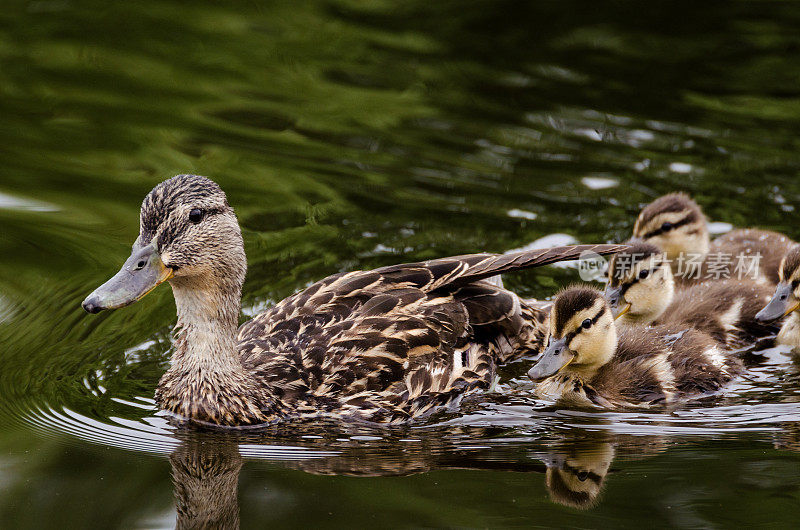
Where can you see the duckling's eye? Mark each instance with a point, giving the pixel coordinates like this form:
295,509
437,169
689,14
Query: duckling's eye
586,324
666,226
196,215
643,274
583,475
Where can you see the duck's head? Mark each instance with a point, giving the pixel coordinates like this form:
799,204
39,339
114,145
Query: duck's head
188,235
640,283
675,224
582,335
786,299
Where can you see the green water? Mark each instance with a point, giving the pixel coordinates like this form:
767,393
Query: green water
357,134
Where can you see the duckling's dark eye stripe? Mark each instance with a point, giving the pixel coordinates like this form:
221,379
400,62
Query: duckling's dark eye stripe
572,334
625,286
660,230
591,475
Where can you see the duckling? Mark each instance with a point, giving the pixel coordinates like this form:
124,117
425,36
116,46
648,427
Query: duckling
786,301
587,362
676,224
641,291
386,345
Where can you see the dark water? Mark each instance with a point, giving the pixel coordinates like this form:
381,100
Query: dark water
352,135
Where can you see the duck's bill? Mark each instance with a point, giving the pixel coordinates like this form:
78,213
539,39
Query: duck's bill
142,272
783,302
555,357
614,298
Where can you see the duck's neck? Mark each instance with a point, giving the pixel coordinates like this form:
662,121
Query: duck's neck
206,330
207,380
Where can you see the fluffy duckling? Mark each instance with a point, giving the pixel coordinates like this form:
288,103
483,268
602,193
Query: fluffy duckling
676,224
588,363
386,345
641,291
786,301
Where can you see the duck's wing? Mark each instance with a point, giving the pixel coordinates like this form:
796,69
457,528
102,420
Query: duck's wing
340,295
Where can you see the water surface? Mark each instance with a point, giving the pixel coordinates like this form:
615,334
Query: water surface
351,135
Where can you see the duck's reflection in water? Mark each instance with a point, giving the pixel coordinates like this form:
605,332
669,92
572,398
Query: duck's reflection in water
205,474
205,467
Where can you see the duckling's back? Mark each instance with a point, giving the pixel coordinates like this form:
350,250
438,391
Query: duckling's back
659,364
747,245
725,310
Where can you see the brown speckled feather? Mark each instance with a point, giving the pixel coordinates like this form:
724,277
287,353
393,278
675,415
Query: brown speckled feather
396,342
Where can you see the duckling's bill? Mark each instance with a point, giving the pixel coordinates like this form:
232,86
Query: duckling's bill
142,272
783,302
555,357
613,296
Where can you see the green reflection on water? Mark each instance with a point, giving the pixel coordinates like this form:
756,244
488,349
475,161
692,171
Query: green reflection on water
352,135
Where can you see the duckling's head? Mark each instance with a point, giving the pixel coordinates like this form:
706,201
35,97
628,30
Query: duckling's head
786,299
188,235
640,283
575,478
582,335
675,224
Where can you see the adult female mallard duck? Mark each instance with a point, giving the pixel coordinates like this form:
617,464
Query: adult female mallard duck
641,290
786,301
676,224
384,345
588,363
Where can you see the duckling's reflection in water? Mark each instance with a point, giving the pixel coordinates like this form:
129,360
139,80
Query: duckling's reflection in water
577,467
576,476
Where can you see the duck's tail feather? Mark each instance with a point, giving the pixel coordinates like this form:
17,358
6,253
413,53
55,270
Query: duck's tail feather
460,270
494,264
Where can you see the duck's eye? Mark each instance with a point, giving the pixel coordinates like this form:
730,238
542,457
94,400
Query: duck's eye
583,475
196,215
666,226
586,324
644,274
